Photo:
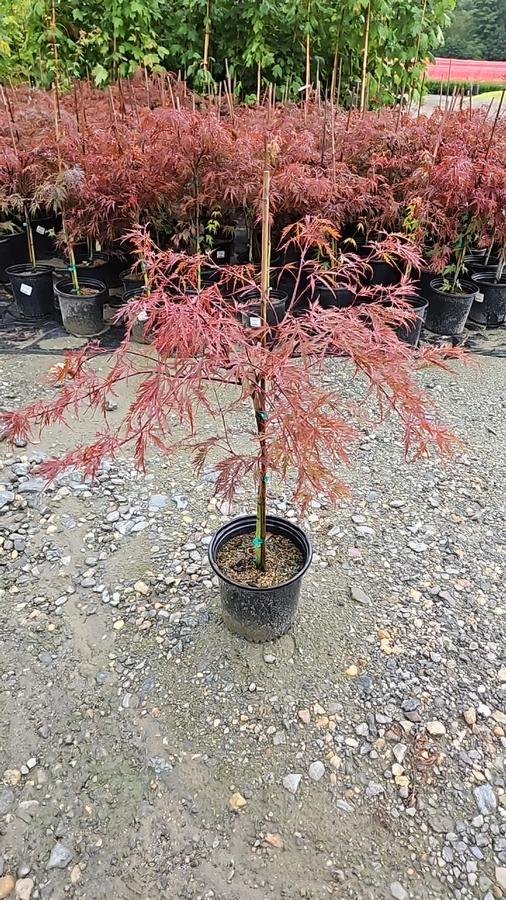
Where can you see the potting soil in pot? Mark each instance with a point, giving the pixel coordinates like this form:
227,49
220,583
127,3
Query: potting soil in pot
236,560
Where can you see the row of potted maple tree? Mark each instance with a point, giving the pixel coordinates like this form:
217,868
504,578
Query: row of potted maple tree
190,169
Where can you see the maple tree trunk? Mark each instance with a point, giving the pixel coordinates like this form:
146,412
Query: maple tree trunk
260,388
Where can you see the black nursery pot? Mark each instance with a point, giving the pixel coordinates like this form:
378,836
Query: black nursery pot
13,250
103,268
82,314
492,311
260,614
32,289
131,280
383,273
221,254
447,313
330,298
275,309
138,333
410,332
475,263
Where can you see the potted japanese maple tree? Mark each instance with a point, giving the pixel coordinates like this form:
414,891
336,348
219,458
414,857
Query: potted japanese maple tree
272,416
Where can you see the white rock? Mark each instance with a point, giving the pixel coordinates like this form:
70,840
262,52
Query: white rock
316,770
435,728
291,783
397,891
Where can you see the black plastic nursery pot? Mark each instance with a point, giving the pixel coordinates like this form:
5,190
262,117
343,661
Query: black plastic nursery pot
32,289
383,273
275,310
260,614
138,332
103,268
475,263
410,332
13,251
221,254
82,314
447,313
330,297
492,310
131,280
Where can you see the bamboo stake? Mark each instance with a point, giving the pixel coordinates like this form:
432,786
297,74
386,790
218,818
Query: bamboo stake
363,86
12,127
420,99
171,92
417,52
207,35
260,397
324,135
308,47
259,81
494,126
333,137
55,58
338,91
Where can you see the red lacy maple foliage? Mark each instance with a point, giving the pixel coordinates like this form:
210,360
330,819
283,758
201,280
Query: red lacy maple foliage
206,358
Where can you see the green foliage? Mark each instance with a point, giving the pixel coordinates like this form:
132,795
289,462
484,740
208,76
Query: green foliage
451,87
477,30
261,41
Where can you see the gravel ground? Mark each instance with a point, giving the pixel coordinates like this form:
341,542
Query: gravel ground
145,752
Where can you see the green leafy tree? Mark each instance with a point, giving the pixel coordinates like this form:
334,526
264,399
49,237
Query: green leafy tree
285,42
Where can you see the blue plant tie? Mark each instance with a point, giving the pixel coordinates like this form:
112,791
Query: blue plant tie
261,414
72,268
266,479
257,541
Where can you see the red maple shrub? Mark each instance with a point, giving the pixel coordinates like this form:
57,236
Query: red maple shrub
206,354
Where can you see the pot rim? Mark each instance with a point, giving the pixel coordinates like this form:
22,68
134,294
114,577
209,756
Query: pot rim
276,297
101,288
436,283
479,278
21,269
272,520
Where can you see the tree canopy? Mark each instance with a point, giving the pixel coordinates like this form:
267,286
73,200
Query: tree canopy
477,31
258,41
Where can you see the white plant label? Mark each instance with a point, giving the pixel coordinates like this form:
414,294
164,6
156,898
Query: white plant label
143,316
255,322
220,254
40,229
26,289
479,298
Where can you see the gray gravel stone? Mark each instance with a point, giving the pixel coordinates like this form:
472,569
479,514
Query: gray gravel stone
316,770
291,782
486,800
60,857
6,800
398,892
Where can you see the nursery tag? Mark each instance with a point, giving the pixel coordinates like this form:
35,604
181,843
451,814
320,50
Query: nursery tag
143,316
26,289
220,254
255,322
40,229
479,298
